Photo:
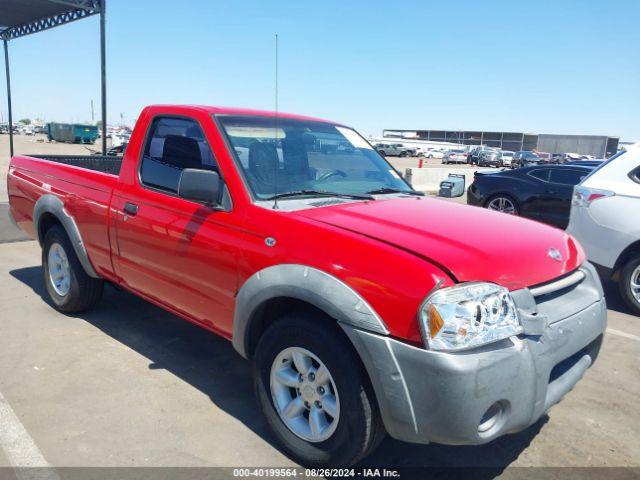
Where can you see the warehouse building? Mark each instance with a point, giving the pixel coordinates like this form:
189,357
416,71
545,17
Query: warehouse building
599,146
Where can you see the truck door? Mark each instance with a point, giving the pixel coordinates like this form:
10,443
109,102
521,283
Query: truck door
177,252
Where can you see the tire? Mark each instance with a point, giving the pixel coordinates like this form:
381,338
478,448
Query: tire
358,429
630,274
494,202
403,154
381,153
75,291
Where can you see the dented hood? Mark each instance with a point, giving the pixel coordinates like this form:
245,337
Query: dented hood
470,243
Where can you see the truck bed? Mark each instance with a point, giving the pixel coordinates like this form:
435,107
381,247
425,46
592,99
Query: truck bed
83,183
97,163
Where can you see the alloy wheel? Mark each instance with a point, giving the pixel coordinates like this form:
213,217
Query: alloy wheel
304,394
502,204
59,271
635,283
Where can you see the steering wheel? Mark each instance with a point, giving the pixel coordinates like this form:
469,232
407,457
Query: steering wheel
332,173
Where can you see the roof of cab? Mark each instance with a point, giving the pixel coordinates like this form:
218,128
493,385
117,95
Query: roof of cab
215,110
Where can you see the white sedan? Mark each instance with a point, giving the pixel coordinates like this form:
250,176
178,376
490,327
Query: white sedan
433,153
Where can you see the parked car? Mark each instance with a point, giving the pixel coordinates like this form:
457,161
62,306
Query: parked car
433,153
524,158
541,193
568,157
363,306
604,218
489,158
118,150
455,156
393,150
588,163
505,157
474,153
411,151
545,157
572,157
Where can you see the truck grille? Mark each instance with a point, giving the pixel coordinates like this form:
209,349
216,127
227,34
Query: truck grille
567,295
566,282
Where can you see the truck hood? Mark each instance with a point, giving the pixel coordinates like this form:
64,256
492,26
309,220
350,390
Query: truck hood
470,243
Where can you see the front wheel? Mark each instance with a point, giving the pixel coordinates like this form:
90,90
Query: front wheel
314,392
69,287
629,284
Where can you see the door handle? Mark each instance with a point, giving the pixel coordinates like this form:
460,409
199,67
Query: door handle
130,209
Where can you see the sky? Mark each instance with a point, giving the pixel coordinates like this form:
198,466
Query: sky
563,66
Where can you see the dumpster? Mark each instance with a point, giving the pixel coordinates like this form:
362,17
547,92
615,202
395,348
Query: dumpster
72,133
453,186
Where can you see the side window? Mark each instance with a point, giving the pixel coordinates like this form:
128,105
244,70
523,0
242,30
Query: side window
568,176
540,174
172,145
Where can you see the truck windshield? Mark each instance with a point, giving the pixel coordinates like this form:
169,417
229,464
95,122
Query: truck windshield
279,156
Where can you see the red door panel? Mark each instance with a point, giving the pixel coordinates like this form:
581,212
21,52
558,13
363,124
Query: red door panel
179,253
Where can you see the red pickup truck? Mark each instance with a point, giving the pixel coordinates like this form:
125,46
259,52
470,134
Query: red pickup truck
365,307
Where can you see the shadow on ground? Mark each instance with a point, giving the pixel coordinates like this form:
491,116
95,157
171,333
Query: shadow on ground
614,300
8,231
210,364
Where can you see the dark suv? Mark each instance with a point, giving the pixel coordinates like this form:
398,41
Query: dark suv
489,157
474,154
525,158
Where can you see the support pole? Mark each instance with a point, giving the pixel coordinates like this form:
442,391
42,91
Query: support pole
103,72
6,65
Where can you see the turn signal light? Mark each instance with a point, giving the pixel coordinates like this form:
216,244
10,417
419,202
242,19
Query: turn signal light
435,321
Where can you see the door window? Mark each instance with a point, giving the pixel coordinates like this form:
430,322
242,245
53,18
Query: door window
540,174
172,145
568,176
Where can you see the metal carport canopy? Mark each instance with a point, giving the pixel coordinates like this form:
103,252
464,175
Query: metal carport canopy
24,17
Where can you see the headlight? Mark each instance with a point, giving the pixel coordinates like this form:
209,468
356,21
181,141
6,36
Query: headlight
468,315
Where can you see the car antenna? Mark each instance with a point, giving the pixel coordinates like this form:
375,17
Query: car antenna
277,162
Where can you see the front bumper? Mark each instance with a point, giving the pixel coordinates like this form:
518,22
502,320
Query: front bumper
428,396
474,197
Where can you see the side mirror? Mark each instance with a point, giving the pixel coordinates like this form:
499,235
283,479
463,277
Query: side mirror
200,186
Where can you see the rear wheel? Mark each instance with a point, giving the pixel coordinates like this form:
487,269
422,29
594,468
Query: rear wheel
503,203
314,392
69,287
629,284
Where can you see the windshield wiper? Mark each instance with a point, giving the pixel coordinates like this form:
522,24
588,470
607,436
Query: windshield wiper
323,193
382,191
